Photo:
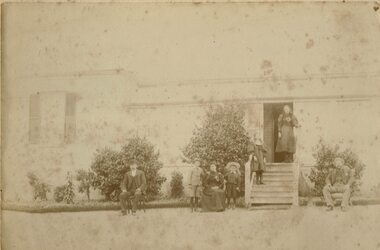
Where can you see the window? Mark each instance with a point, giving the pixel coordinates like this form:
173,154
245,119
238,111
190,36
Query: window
52,118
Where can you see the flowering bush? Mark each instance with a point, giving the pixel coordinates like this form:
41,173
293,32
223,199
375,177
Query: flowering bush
110,166
324,155
40,189
176,185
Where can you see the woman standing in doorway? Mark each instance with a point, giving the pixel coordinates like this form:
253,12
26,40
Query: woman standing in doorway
286,143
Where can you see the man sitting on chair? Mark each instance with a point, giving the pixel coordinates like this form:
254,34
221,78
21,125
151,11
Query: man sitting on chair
338,180
133,185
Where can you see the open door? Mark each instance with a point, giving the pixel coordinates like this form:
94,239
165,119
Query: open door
254,118
271,113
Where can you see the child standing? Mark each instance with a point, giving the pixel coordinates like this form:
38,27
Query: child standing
232,183
258,150
195,185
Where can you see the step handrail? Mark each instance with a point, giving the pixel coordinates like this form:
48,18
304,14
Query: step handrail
296,175
248,180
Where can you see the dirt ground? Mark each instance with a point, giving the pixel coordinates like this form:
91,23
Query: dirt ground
296,228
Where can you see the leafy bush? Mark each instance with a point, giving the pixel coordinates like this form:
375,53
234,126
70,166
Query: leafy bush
86,180
176,185
110,166
376,190
40,189
65,192
221,138
59,193
324,155
69,190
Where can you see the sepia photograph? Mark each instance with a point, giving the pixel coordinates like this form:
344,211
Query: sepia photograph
190,125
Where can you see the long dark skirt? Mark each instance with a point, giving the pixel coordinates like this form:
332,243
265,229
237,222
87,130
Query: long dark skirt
213,200
287,142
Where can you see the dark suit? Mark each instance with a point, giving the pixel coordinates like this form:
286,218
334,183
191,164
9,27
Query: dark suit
132,186
339,181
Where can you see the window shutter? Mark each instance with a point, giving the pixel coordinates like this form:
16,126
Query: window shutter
70,123
34,118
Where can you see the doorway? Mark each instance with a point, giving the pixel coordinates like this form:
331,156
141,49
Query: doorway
271,113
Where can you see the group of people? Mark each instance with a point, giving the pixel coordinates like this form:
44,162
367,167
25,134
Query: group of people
215,190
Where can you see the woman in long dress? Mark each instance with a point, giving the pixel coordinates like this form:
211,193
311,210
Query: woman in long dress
286,143
213,198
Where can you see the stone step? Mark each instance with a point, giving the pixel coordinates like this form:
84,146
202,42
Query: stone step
272,200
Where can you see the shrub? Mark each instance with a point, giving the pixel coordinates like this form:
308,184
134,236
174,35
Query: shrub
59,193
176,185
69,190
110,166
40,189
221,138
86,180
376,190
65,192
324,155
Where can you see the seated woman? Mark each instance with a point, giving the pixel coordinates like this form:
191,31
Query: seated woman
213,198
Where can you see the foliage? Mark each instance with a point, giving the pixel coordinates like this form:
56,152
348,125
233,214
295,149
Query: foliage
59,193
110,166
40,189
221,138
176,185
65,192
69,190
109,169
86,180
376,190
142,151
324,155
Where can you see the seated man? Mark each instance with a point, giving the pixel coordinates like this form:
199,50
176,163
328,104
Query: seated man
339,180
133,184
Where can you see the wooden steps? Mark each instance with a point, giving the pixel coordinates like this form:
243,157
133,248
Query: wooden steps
279,188
270,207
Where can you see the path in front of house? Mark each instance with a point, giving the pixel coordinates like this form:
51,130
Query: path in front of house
177,228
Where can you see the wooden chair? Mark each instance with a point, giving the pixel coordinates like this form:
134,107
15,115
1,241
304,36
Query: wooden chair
141,204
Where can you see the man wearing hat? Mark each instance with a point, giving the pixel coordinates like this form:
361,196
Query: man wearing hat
338,180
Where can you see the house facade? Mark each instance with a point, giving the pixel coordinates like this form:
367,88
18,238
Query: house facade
71,87
51,132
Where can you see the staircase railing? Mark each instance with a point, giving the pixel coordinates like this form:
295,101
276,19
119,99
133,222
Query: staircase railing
296,176
248,182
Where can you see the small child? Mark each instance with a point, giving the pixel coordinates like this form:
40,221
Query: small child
195,185
232,183
258,150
